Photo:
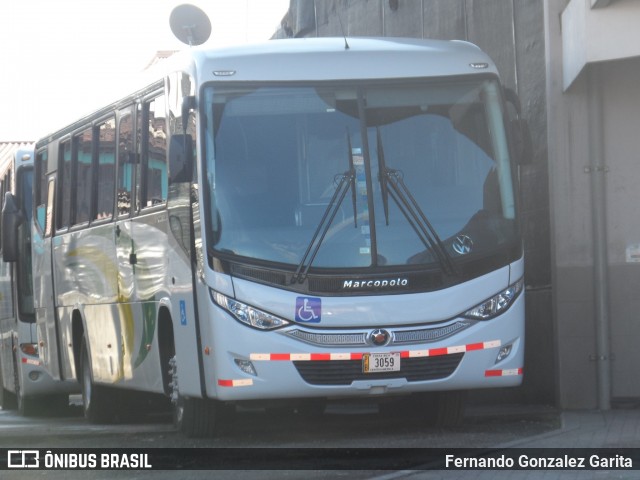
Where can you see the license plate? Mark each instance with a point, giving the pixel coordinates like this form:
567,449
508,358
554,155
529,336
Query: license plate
380,362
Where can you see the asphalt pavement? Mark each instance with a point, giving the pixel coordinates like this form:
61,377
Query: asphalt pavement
589,444
571,440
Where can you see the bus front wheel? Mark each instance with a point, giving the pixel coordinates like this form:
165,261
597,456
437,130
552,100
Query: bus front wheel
449,408
194,417
97,401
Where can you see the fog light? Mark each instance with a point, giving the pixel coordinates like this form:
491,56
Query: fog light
246,366
503,353
33,375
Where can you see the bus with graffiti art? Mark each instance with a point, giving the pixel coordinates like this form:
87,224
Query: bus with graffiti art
286,224
24,382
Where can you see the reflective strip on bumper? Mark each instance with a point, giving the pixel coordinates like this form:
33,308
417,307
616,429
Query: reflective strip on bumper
358,355
30,361
244,382
503,373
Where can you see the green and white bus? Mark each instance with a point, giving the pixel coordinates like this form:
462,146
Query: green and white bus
24,382
284,224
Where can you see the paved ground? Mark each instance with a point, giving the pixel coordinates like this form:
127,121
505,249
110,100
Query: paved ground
612,430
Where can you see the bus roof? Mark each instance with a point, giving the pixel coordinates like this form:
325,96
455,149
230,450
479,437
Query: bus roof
311,59
328,58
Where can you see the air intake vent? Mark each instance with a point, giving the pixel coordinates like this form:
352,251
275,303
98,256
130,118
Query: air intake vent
344,372
262,275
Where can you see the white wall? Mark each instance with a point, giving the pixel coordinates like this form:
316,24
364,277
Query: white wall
598,34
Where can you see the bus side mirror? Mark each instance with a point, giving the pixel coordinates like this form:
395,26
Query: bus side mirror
520,133
188,105
180,158
12,218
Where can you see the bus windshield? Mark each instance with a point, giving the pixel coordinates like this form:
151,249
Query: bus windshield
360,176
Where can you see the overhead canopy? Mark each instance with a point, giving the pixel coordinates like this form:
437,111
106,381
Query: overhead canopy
598,31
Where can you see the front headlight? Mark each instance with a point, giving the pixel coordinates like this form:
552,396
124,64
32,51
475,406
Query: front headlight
497,304
247,314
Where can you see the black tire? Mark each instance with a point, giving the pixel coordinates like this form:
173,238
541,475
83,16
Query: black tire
8,400
450,408
443,409
28,406
97,401
195,417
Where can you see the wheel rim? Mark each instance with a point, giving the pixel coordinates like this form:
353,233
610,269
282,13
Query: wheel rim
18,386
86,388
179,412
176,399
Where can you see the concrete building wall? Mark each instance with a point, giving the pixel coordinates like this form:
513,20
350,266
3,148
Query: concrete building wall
594,145
573,233
512,33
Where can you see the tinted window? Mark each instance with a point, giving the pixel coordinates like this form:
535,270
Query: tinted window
64,205
155,162
40,192
106,169
83,163
126,163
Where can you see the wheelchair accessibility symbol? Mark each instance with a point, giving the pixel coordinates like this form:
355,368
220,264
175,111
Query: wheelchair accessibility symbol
308,309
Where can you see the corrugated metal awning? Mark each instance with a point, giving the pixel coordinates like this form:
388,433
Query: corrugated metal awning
8,149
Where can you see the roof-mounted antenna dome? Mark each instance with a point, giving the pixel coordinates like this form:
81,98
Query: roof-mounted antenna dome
190,24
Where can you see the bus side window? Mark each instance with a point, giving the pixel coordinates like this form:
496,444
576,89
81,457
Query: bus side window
64,198
154,165
126,163
106,169
51,193
40,188
83,163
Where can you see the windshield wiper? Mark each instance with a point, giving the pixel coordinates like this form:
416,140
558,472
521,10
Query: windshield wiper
392,184
347,181
382,174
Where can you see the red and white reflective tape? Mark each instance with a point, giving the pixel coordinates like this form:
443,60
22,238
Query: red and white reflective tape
243,382
432,352
30,361
503,373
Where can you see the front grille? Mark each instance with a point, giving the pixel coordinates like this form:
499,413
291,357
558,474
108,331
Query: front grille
342,339
398,337
420,335
344,372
